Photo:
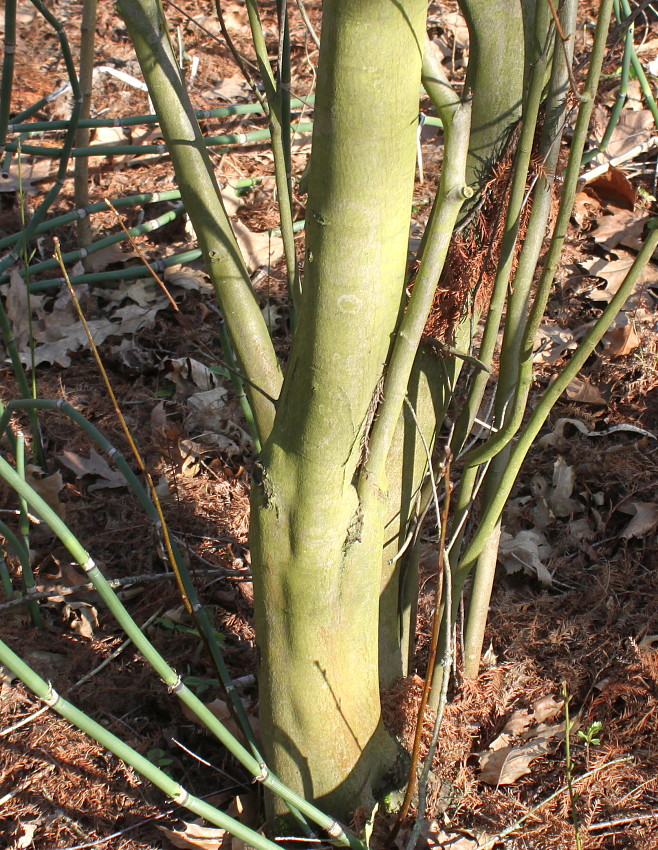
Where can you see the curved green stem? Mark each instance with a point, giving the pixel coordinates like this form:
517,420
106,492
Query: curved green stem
489,520
238,385
451,195
7,82
551,395
47,694
21,553
277,93
621,94
27,578
253,763
496,30
510,236
645,86
201,196
495,443
81,167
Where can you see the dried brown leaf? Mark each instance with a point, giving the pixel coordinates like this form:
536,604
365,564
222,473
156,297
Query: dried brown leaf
504,766
59,333
625,227
546,708
621,341
614,187
613,272
633,128
526,551
559,498
580,389
95,465
47,486
189,374
194,836
230,89
82,618
552,342
585,207
645,519
29,172
27,838
433,837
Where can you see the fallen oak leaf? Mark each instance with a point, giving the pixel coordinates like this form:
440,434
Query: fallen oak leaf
614,272
632,128
585,207
95,465
504,766
614,187
580,389
625,227
98,261
621,341
433,837
553,341
645,519
82,618
545,708
16,307
525,551
47,486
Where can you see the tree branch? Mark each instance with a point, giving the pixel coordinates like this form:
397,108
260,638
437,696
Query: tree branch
200,193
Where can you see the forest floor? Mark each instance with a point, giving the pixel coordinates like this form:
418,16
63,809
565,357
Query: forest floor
576,600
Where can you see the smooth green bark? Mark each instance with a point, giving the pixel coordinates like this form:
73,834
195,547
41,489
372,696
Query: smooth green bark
316,550
200,193
328,504
495,78
430,390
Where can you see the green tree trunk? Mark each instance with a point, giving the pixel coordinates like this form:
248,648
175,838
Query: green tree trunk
334,616
316,551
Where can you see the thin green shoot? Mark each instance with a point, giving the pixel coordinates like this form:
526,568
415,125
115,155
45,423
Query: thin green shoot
568,767
590,736
172,626
27,578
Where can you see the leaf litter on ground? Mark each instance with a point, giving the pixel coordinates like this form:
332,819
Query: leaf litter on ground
503,762
56,330
95,465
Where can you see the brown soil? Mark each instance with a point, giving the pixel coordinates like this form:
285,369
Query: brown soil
593,628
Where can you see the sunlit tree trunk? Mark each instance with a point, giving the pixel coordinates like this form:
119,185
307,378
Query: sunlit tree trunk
316,555
332,604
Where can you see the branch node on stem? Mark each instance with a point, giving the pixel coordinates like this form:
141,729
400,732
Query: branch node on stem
52,697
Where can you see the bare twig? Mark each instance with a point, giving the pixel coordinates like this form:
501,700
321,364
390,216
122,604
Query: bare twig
442,521
114,654
517,823
607,824
563,42
307,23
142,256
117,834
127,581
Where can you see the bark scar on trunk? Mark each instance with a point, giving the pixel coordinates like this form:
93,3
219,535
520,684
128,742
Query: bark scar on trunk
263,484
354,530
